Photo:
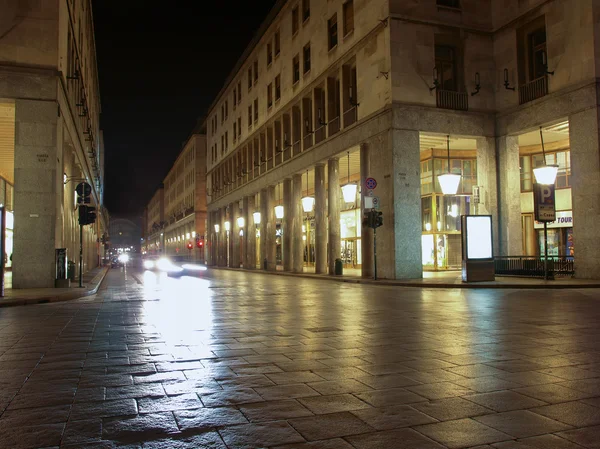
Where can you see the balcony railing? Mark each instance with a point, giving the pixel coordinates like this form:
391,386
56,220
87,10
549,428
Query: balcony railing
308,141
449,99
297,148
531,266
350,116
533,90
320,134
334,125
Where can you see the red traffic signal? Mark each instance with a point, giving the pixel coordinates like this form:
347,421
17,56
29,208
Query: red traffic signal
200,243
190,246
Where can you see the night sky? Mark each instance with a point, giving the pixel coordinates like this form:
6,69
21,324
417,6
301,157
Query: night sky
160,69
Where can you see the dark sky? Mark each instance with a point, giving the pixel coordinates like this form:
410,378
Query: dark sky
160,68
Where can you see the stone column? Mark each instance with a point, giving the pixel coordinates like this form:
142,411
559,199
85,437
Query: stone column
366,233
222,237
403,218
271,249
510,234
320,220
36,174
288,225
264,213
231,240
236,235
298,214
585,165
333,189
208,243
249,204
488,186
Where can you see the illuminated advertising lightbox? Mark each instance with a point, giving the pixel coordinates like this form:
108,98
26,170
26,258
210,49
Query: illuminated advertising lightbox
478,230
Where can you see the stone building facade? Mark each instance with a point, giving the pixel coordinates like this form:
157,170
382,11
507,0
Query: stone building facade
175,217
332,93
51,139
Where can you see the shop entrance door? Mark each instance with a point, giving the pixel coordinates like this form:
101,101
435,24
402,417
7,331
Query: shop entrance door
350,253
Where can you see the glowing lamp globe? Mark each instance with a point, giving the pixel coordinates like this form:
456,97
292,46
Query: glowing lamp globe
307,203
546,174
241,222
349,192
227,226
279,212
449,183
256,217
217,228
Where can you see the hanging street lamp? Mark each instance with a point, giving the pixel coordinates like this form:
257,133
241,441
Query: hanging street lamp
449,181
349,190
308,201
546,174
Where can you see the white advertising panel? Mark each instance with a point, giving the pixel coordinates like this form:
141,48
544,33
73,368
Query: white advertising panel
479,237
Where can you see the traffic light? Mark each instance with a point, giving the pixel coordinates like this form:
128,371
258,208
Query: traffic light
378,219
87,215
189,245
200,243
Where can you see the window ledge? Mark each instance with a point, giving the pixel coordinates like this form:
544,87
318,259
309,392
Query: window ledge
449,8
295,34
349,34
305,21
306,73
276,55
295,84
332,49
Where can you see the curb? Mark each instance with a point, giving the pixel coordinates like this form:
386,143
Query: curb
393,283
75,294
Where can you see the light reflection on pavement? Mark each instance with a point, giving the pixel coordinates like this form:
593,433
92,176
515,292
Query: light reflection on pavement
244,360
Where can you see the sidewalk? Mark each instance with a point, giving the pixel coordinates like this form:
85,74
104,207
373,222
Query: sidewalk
19,297
440,279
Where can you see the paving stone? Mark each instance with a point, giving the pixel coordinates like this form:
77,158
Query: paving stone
139,428
31,437
439,390
324,427
397,439
104,409
209,417
552,393
338,387
231,396
169,403
586,436
286,392
251,436
333,443
549,442
448,409
160,377
577,414
34,416
274,410
504,401
521,423
135,391
387,418
486,384
462,433
82,432
393,396
207,440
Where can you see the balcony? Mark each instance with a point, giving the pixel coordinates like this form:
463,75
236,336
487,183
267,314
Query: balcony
449,99
533,90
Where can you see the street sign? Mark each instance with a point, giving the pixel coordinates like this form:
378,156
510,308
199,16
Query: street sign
83,189
370,193
376,202
370,183
543,201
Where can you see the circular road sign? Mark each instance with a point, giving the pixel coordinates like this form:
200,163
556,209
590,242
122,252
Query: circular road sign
370,183
83,189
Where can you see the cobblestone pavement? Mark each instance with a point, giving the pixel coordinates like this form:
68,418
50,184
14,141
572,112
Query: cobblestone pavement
239,360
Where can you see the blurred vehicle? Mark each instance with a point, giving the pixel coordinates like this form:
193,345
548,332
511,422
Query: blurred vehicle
115,263
174,266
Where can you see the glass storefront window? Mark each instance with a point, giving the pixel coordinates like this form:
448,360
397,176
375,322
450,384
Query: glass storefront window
426,177
466,168
449,209
426,214
526,173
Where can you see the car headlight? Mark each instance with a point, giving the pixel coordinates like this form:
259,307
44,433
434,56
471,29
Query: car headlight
148,264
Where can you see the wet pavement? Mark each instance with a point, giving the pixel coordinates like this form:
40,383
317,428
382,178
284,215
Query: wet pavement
242,360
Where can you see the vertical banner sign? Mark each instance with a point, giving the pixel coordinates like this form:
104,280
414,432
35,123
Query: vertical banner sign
543,202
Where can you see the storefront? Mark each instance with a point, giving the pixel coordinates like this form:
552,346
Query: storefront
440,214
560,235
350,231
